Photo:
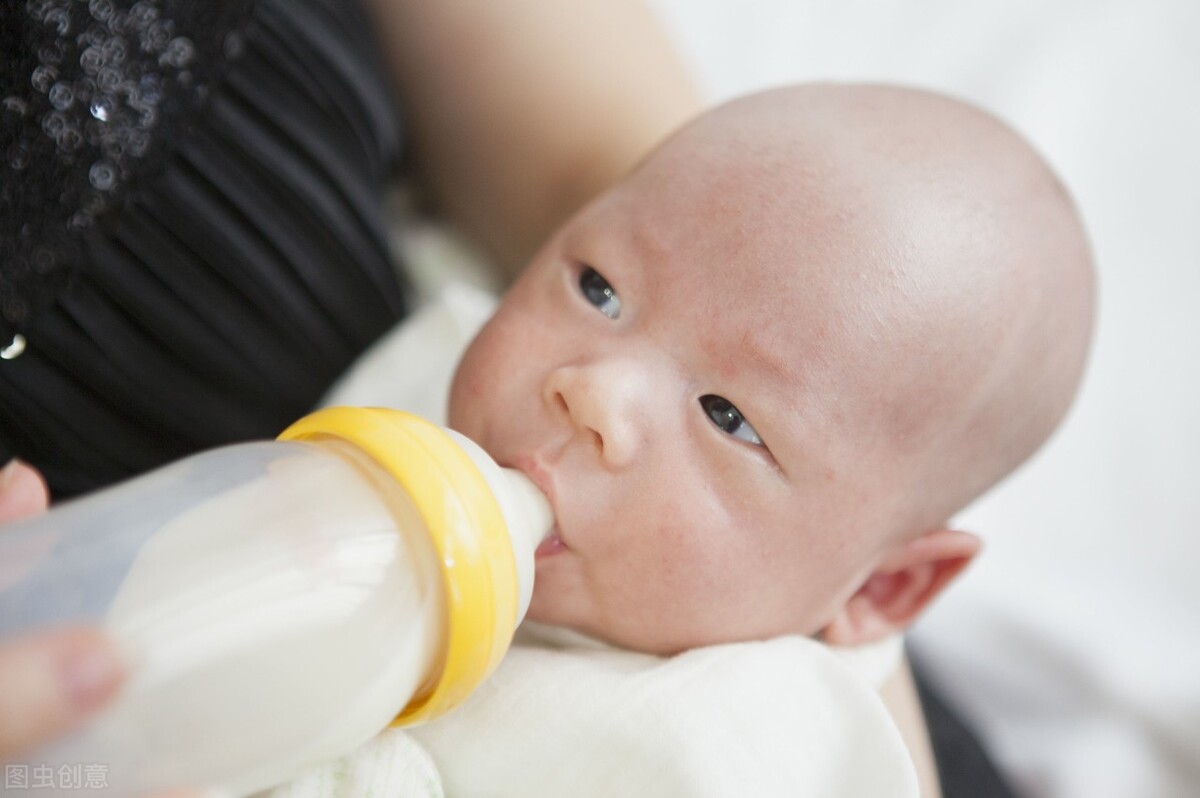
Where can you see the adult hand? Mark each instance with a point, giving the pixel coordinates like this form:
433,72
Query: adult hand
50,681
22,491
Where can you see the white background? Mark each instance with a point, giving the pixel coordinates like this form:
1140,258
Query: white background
1074,643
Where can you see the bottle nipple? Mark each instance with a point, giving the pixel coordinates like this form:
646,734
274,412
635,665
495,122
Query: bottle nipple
527,513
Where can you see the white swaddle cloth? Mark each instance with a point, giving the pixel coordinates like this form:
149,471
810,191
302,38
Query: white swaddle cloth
785,717
568,717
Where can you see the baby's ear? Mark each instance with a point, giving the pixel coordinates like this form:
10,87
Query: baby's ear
901,587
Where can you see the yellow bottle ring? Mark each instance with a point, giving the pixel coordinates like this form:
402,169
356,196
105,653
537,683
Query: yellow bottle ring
479,574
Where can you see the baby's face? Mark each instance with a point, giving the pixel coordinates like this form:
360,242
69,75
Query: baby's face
664,371
758,376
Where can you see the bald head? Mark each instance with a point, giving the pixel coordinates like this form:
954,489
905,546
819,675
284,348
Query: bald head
771,363
953,275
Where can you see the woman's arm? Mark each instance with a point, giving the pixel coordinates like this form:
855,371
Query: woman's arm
519,111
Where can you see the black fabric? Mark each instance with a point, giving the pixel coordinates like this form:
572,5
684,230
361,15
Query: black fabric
92,93
964,768
244,266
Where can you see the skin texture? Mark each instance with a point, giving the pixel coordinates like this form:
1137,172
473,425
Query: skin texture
892,289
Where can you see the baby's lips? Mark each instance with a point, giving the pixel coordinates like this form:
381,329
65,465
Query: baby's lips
531,466
551,545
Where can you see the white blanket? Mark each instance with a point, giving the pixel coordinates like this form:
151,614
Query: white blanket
787,717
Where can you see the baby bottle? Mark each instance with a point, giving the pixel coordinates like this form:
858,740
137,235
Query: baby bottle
279,602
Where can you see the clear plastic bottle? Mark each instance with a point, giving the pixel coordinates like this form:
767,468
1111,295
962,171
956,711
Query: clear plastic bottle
280,602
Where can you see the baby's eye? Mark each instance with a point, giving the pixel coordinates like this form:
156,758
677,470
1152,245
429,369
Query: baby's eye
729,419
597,291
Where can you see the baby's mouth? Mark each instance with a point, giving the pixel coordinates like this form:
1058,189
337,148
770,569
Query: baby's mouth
531,467
550,546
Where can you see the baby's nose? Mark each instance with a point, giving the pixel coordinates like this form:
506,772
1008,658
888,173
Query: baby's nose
605,400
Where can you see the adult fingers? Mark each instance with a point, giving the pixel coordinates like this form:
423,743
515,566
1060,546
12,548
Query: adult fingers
22,491
50,682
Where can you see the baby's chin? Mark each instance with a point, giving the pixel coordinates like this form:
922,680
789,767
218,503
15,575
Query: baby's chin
554,619
561,601
548,626
548,634
548,623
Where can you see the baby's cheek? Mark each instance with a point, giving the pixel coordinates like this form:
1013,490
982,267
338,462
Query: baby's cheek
469,396
483,361
707,542
682,560
499,346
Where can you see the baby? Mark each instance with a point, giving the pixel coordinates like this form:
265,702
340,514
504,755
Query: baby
758,377
756,381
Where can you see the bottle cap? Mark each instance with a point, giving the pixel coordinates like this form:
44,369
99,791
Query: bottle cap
466,524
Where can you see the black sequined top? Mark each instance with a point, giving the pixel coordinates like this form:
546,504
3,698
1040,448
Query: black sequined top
192,244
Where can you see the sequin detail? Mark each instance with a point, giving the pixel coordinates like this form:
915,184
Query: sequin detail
90,91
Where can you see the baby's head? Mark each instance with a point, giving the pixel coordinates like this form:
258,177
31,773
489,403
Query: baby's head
758,377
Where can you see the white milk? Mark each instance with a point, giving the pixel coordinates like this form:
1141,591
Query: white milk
281,603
